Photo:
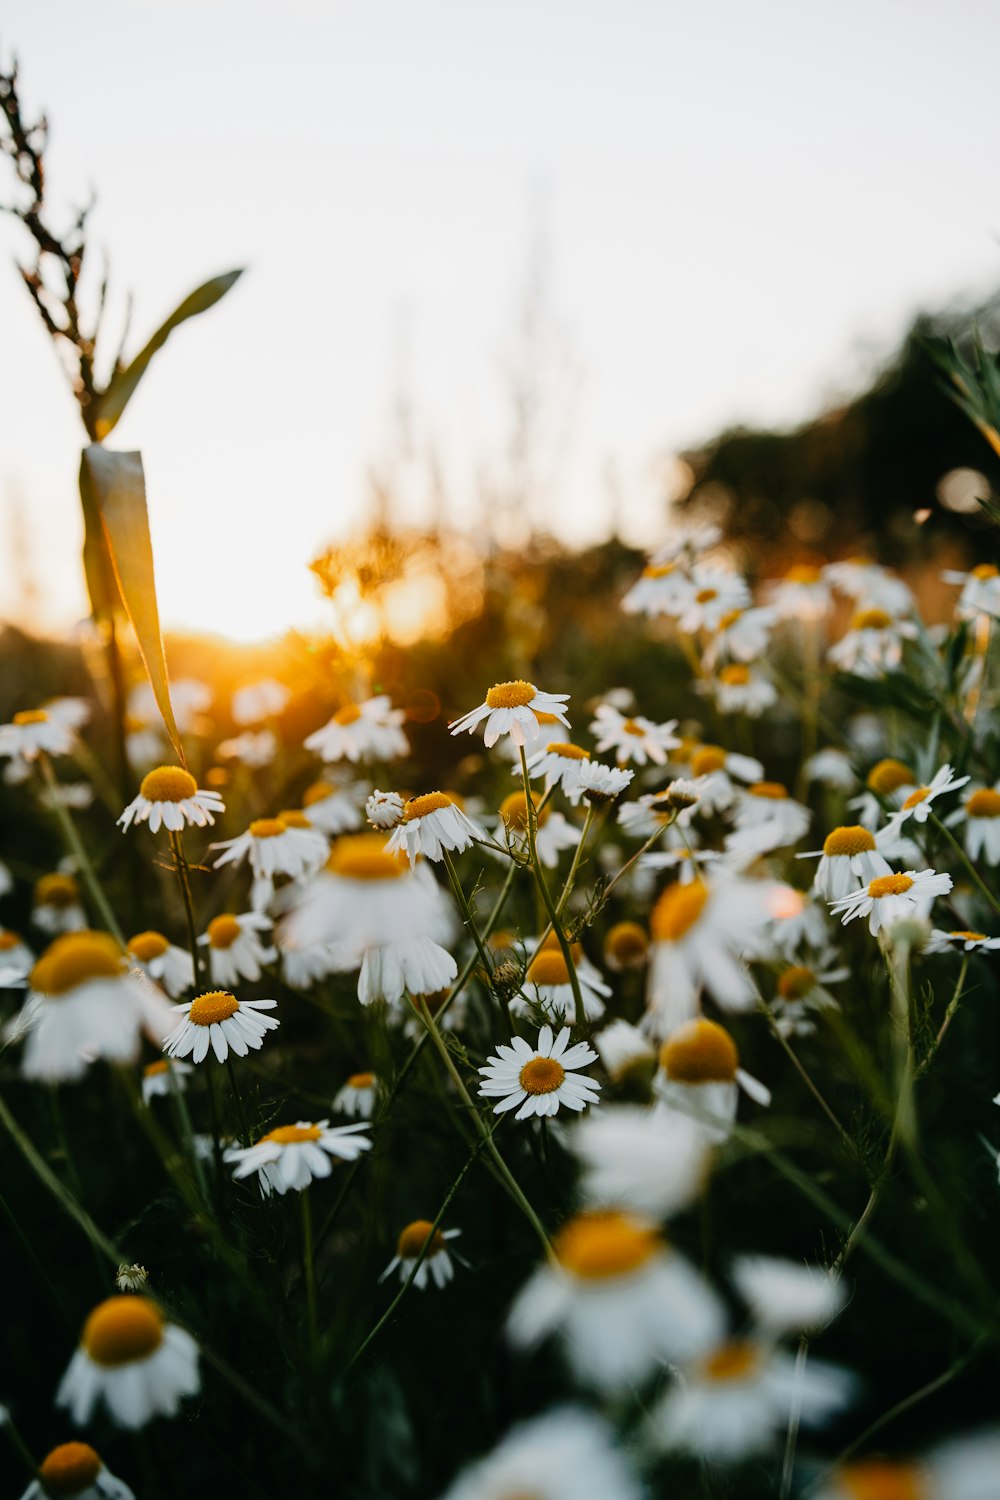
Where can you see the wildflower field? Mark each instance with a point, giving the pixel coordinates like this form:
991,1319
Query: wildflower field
557,1061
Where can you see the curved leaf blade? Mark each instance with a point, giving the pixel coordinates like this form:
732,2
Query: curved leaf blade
117,488
121,388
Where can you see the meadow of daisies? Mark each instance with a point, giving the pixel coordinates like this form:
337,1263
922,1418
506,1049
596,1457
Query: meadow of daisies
597,1105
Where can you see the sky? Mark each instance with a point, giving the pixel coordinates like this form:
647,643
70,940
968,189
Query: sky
735,210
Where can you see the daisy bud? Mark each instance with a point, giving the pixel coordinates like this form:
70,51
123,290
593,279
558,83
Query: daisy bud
131,1278
384,809
681,794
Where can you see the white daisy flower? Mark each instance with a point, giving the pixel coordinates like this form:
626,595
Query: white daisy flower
145,744
740,635
860,578
700,931
873,645
981,814
431,824
380,916
254,748
980,591
767,818
689,864
219,1020
161,1078
787,1297
565,1455
512,708
801,991
648,1161
71,711
170,796
83,1004
293,1156
653,810
76,795
716,772
889,898
537,1080
661,589
304,965
968,942
16,958
437,1264
963,1469
600,784
802,594
384,809
633,739
795,922
888,782
831,768
160,960
917,805
622,1300
741,688
134,1361
690,543
358,1097
560,764
261,700
736,1401
362,731
548,983
274,846
34,733
76,1470
189,697
57,906
237,947
333,809
715,593
622,1048
849,858
700,1077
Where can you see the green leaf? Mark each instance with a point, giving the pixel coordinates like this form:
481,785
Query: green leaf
116,489
114,399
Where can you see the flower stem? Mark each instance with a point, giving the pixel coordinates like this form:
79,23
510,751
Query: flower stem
75,845
183,879
241,1116
546,895
967,862
308,1265
470,923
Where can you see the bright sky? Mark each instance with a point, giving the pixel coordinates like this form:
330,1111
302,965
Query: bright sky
740,203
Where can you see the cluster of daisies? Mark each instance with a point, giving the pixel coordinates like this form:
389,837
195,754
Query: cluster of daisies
401,893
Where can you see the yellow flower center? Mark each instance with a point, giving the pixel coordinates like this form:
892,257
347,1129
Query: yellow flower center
889,885
74,958
597,1245
361,1080
267,828
318,792
415,1236
154,1069
548,968
567,750
544,717
662,571
430,802
877,1479
871,619
984,570
291,1135
56,890
842,843
631,727
514,811
677,911
68,1469
9,940
626,943
501,941
983,804
888,775
916,797
293,818
969,937
31,716
700,1052
708,759
216,777
223,930
796,982
542,1075
362,856
705,596
732,1361
148,945
122,1330
168,784
803,573
511,694
772,789
729,618
349,714
212,1007
737,674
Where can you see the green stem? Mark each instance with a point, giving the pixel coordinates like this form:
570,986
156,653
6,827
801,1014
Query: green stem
949,1016
198,957
20,1447
76,848
510,1180
806,1079
309,1267
967,862
241,1116
546,895
470,923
